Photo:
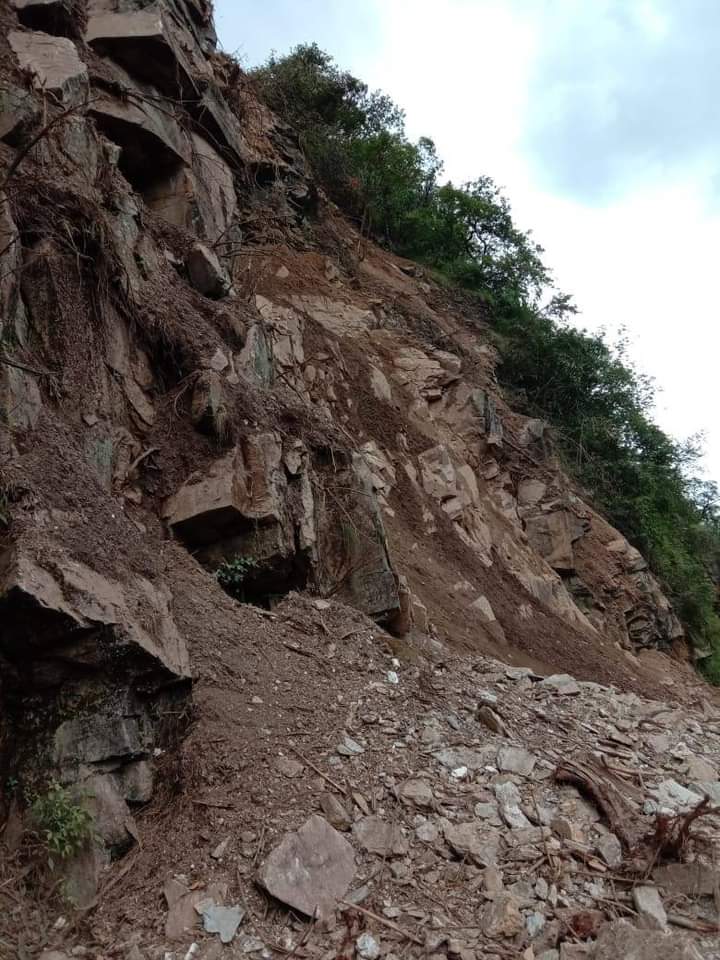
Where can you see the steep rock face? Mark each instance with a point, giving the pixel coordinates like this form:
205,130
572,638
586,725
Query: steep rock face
195,357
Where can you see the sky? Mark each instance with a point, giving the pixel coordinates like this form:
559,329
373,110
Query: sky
599,118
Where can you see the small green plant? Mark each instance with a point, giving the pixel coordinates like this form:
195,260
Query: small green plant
232,574
63,823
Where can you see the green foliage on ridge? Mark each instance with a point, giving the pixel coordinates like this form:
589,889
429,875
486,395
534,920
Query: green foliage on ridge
586,387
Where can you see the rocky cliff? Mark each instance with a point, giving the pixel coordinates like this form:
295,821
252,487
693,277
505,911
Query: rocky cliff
204,368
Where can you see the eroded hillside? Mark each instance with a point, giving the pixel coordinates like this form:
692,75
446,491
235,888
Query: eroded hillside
208,377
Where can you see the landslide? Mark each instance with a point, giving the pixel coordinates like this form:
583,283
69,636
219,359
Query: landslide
208,376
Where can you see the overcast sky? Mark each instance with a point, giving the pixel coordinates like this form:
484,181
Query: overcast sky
600,120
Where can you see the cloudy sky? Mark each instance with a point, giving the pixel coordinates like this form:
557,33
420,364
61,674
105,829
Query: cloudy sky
600,120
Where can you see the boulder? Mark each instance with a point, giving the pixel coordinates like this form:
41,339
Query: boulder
53,63
153,46
236,490
206,273
311,869
439,479
63,601
552,535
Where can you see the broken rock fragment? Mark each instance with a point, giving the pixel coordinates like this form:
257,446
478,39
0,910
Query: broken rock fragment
622,939
610,850
562,684
206,273
335,812
311,869
501,917
515,760
417,792
53,62
651,912
473,840
377,836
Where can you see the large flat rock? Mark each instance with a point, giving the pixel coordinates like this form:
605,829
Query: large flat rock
311,869
53,62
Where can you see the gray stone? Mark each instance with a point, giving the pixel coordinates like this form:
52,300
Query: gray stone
699,770
222,920
292,769
508,798
350,748
454,757
221,849
206,273
137,780
516,760
335,812
473,840
378,836
671,797
519,673
562,684
622,939
93,739
367,947
53,62
417,792
709,789
610,850
427,832
658,742
310,869
488,717
650,908
534,924
501,917
18,111
492,880
101,797
552,536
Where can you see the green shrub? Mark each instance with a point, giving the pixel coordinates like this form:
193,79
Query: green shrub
64,825
233,574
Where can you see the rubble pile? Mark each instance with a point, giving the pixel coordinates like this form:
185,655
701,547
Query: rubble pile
295,610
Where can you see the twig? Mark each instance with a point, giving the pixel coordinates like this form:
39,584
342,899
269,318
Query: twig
697,925
22,366
317,770
386,923
213,803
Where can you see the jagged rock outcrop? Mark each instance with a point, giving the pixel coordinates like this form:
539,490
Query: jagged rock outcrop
194,359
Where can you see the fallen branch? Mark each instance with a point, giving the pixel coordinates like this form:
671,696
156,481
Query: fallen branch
319,772
600,785
385,922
